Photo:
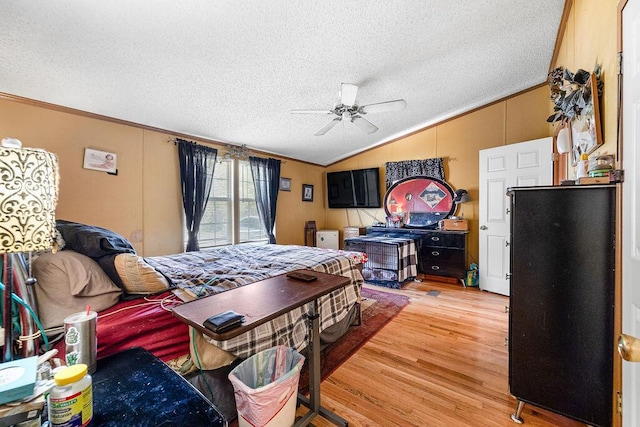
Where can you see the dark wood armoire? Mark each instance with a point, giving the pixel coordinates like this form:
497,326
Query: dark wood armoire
561,304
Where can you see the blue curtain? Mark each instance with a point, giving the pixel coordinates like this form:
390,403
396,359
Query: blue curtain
197,164
266,180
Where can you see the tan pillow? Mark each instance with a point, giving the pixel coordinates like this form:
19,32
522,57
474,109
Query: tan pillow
67,283
137,276
208,356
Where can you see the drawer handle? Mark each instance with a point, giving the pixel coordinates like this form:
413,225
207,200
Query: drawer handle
435,238
435,267
435,253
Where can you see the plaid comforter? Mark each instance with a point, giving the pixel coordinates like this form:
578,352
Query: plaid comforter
221,269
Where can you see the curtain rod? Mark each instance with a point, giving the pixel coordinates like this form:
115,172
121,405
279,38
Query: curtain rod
234,150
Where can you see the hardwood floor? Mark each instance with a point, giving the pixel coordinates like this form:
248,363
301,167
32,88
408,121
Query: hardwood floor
441,362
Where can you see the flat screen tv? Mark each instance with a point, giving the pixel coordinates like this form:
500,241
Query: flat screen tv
359,188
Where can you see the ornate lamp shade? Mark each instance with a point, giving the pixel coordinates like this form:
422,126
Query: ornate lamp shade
28,196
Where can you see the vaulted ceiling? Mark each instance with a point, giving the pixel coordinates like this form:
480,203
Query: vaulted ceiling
232,71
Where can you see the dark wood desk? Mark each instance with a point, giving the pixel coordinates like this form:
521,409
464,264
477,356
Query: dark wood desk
265,300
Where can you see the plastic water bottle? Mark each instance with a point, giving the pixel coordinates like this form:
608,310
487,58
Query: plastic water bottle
583,166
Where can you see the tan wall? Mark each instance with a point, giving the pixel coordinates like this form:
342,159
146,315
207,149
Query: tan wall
292,211
590,39
87,196
459,142
143,202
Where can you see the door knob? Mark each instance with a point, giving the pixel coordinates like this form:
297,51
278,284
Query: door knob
484,227
629,348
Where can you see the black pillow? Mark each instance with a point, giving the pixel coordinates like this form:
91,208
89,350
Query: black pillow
92,241
107,264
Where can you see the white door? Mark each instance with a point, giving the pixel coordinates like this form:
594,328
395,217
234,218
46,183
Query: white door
516,165
631,207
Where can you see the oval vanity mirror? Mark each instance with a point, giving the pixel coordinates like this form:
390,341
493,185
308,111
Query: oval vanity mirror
421,201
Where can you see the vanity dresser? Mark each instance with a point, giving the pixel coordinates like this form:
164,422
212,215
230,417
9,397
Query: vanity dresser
439,252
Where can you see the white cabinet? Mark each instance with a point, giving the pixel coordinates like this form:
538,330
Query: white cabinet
327,239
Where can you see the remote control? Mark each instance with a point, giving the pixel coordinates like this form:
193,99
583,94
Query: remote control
302,276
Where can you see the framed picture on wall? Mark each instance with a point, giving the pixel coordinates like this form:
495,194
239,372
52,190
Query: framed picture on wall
285,184
100,160
307,193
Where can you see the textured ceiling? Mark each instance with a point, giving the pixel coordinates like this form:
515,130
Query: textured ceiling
232,71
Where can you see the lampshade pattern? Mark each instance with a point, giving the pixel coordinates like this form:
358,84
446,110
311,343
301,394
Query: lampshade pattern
29,182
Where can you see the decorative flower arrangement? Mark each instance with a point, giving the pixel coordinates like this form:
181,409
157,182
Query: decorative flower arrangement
571,92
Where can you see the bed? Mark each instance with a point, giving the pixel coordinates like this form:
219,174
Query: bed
134,295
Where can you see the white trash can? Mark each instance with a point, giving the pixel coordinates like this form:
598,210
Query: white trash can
266,387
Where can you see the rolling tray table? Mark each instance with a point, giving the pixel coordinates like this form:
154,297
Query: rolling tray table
267,299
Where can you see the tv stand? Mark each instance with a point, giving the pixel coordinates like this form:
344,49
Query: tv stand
441,253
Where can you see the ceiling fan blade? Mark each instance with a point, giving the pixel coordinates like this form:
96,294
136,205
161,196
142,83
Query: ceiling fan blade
328,126
364,124
311,112
397,105
348,94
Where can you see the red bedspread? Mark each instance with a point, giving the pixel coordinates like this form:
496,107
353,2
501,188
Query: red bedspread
142,323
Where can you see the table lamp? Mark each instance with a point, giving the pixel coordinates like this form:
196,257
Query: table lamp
462,196
28,197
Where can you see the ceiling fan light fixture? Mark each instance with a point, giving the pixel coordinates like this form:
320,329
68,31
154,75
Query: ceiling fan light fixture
348,110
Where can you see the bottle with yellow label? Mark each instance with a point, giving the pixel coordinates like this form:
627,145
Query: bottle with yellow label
583,166
70,402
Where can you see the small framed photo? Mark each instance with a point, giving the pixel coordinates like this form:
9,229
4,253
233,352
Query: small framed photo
285,184
99,160
307,193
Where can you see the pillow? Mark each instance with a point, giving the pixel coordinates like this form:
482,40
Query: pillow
92,241
67,283
205,353
107,263
137,276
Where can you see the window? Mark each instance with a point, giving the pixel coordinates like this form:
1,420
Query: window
249,226
232,201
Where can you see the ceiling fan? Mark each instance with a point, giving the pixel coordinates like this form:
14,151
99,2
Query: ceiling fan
348,110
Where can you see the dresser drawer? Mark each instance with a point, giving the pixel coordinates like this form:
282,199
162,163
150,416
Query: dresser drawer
439,268
449,240
439,255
